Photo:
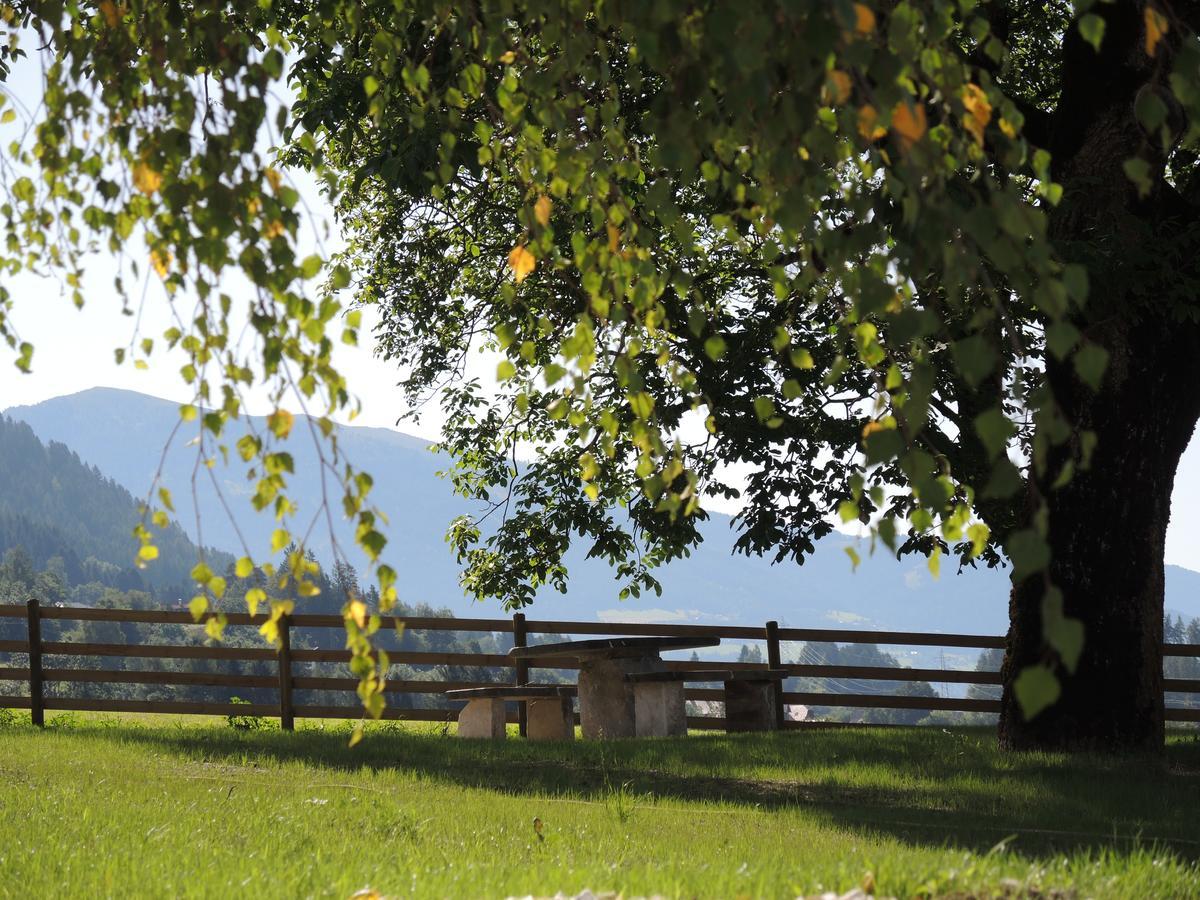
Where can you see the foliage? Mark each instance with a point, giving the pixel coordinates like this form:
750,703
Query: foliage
808,237
181,809
246,722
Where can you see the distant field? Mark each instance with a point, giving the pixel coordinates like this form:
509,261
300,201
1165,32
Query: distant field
104,807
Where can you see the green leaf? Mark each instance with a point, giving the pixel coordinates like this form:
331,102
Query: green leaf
764,408
801,359
975,358
310,266
1091,360
1028,552
1091,26
978,534
714,347
883,445
855,559
1036,688
1065,634
995,429
1137,170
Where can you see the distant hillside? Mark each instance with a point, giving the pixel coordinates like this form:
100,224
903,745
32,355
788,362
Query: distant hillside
123,434
53,504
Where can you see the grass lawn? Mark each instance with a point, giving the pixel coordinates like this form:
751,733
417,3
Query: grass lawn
96,807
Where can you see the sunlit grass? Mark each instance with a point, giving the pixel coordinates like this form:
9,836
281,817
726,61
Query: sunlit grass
121,808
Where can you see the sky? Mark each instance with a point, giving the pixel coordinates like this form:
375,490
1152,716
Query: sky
74,351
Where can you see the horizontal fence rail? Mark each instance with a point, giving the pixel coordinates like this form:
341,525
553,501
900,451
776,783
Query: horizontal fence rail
49,662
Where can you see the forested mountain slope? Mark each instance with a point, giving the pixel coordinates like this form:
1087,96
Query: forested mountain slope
54,505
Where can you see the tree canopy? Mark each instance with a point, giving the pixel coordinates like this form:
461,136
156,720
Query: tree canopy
848,244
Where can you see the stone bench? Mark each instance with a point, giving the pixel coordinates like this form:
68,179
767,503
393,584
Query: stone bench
660,708
549,714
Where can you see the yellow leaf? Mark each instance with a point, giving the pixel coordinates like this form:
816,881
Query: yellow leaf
864,19
357,611
870,428
244,568
112,12
145,179
273,230
521,261
507,57
1008,128
909,122
254,597
838,86
280,538
161,260
280,422
147,552
614,237
1156,26
868,127
979,111
542,210
274,179
198,606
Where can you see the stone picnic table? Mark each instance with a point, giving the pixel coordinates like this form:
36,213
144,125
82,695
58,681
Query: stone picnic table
625,690
611,703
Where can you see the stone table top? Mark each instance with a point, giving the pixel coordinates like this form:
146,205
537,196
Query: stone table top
612,648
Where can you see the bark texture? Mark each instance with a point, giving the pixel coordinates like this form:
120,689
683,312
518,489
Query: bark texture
1107,526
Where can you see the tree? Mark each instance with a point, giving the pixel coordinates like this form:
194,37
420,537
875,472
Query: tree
929,264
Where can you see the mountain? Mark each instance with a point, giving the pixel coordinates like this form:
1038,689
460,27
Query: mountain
53,504
123,434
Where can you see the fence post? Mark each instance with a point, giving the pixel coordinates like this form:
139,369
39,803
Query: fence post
522,667
37,708
774,662
286,720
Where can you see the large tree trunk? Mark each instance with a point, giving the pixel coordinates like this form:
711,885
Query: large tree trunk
1107,526
1107,529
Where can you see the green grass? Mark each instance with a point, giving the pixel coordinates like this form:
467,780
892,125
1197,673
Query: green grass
102,807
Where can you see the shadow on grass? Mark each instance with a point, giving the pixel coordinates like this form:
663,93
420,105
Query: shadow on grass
923,786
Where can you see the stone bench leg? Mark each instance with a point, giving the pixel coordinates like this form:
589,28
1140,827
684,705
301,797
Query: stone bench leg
750,706
551,719
659,709
482,718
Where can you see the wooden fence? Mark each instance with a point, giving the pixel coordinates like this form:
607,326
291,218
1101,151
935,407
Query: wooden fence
284,659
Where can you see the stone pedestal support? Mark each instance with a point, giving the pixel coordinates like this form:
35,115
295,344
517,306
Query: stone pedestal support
606,704
750,705
659,709
482,718
551,719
